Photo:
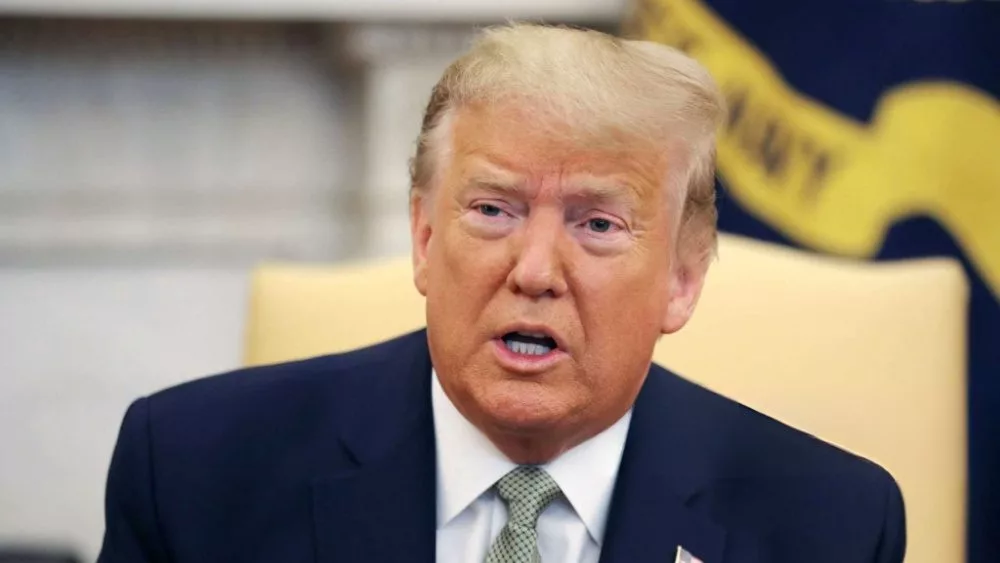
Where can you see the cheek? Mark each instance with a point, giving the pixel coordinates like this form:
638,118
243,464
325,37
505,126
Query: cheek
633,281
464,272
621,306
470,258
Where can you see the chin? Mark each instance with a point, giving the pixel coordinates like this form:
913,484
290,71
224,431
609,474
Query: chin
523,407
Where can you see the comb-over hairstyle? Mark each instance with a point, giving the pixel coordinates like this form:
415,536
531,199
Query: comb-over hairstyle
595,88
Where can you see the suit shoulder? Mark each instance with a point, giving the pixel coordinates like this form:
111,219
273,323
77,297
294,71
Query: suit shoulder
328,369
272,391
806,495
757,444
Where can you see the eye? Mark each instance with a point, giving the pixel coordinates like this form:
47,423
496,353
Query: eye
599,225
489,210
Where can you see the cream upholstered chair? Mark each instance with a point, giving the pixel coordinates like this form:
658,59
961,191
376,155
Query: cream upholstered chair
868,356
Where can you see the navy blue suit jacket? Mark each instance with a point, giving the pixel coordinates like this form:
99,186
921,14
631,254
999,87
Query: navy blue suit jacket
332,460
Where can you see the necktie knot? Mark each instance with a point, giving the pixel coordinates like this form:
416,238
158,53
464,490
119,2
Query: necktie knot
527,491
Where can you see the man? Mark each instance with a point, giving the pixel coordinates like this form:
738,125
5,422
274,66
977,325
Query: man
563,219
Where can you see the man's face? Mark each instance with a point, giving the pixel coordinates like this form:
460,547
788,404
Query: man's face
547,268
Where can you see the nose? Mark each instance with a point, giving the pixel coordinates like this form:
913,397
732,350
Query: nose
538,268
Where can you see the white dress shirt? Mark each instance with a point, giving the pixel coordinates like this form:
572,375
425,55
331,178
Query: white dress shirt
470,515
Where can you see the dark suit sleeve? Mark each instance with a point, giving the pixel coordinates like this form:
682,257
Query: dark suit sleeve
132,531
892,545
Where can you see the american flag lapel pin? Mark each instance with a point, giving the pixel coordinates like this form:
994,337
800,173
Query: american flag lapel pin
684,556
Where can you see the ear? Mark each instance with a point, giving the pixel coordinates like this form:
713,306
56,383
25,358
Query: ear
686,281
420,235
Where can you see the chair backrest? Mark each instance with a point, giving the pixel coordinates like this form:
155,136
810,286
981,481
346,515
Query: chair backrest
869,356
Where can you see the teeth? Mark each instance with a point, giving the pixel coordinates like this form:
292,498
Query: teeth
533,334
527,348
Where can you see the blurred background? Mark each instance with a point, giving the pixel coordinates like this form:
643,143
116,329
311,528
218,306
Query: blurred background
152,153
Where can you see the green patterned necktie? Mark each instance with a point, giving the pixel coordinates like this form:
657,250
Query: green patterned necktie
526,491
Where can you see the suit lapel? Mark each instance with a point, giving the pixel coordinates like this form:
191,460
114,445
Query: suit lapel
384,510
647,524
654,508
379,514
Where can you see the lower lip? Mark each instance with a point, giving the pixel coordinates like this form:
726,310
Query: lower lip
523,362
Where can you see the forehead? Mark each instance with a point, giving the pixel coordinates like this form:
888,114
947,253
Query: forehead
522,144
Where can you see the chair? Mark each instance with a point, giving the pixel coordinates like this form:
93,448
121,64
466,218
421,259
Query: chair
869,356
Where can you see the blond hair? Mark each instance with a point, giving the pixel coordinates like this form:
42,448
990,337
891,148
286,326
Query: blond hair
605,89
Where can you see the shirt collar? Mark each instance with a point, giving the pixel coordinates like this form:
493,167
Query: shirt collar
587,473
468,464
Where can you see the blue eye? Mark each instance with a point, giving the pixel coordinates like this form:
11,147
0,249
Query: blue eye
599,225
489,210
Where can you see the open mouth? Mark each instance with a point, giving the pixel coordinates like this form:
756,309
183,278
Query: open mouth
529,343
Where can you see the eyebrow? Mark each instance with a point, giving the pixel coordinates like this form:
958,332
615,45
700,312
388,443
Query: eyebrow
496,180
581,187
499,186
603,192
